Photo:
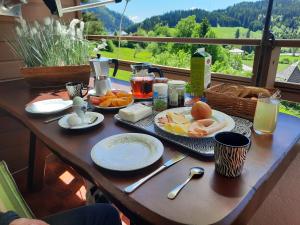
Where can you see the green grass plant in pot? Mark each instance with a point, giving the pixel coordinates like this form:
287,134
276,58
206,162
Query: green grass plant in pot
53,53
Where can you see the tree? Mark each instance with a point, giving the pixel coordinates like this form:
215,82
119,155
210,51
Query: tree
89,16
94,27
186,27
92,24
237,33
137,49
248,35
213,50
248,49
204,27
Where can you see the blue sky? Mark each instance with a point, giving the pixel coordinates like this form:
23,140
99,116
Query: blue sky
138,10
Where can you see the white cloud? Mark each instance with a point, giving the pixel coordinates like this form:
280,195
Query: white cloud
135,19
194,7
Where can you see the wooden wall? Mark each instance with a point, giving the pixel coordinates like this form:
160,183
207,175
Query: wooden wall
34,10
15,153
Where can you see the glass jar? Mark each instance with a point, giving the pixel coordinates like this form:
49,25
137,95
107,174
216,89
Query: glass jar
176,92
160,97
266,114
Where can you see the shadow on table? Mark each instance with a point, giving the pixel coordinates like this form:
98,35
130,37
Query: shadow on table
229,187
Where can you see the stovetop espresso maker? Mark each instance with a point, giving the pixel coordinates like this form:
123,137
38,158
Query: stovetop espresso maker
100,72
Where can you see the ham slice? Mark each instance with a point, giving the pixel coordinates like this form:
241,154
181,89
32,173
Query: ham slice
202,128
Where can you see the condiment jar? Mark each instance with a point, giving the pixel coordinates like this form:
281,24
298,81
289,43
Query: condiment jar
160,96
176,92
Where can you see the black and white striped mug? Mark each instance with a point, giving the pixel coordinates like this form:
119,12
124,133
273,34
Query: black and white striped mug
230,153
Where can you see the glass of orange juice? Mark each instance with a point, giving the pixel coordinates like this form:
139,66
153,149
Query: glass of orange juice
266,114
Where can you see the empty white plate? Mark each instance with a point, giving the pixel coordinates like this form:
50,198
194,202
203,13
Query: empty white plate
90,116
127,152
49,106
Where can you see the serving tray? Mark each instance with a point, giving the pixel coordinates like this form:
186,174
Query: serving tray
201,146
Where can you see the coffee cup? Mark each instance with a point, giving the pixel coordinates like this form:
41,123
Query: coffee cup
230,153
76,89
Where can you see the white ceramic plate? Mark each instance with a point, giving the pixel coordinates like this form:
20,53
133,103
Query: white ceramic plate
93,93
90,116
216,115
127,152
50,106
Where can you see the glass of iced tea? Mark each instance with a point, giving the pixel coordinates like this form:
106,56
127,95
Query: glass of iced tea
266,114
142,80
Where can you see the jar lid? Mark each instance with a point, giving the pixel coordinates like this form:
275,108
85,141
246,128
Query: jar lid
177,82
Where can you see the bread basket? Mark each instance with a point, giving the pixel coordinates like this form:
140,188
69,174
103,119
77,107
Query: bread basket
230,101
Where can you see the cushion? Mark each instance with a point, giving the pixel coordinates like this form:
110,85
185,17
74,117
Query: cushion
10,197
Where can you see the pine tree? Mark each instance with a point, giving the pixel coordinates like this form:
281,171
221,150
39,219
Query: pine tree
248,35
237,34
204,27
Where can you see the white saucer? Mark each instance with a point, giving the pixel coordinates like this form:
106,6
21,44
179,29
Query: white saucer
63,122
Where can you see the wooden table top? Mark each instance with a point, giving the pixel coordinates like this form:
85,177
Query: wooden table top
213,199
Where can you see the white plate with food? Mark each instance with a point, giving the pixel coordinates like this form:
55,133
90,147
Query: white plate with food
73,122
127,152
115,99
49,106
200,122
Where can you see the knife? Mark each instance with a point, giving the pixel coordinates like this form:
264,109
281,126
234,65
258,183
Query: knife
54,119
131,188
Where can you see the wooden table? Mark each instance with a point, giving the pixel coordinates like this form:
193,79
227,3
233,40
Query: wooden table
213,199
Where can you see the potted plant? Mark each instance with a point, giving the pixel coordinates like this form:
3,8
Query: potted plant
53,53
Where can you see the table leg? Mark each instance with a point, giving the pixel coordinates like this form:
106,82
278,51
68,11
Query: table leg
37,162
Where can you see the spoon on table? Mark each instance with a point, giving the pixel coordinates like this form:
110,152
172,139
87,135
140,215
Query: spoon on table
195,172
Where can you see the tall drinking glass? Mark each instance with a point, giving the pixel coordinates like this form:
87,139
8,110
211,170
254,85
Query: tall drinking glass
266,114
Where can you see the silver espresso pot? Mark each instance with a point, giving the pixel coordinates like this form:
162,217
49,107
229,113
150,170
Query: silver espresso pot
100,72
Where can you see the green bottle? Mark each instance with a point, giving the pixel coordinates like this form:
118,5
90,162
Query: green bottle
200,72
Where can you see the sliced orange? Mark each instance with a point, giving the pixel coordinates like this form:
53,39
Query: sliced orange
110,93
106,103
123,94
114,102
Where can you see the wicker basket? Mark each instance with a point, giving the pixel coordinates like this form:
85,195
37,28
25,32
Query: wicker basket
236,106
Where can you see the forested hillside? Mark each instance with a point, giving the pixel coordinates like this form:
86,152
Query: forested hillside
285,20
109,18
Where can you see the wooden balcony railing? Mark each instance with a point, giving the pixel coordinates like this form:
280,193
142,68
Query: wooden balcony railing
290,91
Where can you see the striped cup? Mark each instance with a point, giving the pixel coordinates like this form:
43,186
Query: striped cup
230,153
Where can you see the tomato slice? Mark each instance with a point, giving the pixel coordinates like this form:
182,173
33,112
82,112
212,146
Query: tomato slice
94,100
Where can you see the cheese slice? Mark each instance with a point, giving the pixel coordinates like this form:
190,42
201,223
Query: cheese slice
135,112
181,129
177,118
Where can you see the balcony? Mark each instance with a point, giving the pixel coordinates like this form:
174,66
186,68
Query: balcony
68,165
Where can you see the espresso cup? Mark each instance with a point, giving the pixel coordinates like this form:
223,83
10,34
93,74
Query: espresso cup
230,153
76,89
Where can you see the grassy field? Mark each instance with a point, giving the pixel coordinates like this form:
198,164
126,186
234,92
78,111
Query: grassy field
229,32
145,56
281,66
128,54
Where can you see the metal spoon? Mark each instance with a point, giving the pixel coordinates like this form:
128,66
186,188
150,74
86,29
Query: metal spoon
195,172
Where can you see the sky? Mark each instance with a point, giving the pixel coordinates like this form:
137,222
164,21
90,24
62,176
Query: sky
138,10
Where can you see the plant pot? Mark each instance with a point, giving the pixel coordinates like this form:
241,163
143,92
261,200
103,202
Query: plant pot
58,76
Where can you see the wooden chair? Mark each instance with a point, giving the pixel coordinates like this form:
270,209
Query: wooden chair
10,197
